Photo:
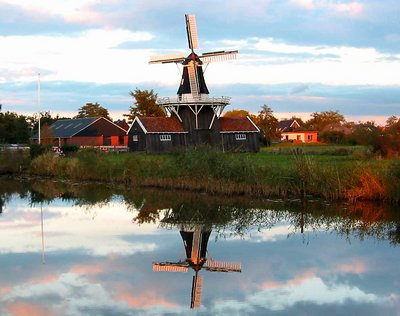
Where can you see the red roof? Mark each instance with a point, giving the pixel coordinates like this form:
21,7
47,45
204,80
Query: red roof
161,124
237,124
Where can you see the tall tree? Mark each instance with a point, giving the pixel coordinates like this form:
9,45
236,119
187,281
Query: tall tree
320,120
236,113
240,113
145,105
93,110
268,125
14,128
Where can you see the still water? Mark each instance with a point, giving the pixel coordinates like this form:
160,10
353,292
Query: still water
69,249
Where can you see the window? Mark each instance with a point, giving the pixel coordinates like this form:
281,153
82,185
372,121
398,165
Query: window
298,137
165,138
135,138
240,136
121,140
309,138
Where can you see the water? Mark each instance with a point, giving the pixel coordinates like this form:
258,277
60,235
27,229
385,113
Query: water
70,249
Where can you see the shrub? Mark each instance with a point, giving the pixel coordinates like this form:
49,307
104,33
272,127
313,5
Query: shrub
69,149
36,150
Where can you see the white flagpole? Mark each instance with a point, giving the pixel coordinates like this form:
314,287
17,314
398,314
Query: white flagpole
39,101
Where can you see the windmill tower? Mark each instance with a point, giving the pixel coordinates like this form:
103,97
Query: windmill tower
193,107
195,239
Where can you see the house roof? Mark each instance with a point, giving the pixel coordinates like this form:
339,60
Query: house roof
159,124
70,127
288,125
237,124
123,124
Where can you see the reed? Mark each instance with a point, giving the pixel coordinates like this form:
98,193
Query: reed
204,169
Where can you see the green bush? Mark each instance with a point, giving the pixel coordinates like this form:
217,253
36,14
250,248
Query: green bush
69,149
36,150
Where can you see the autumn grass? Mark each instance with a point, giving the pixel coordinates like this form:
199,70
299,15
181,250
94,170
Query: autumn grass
352,175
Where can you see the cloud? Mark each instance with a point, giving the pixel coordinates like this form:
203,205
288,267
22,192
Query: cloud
304,4
354,9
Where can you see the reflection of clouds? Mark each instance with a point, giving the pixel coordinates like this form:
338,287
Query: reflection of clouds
28,309
100,230
310,290
355,266
73,294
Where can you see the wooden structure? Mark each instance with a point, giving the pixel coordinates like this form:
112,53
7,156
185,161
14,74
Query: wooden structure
197,112
239,134
156,134
90,131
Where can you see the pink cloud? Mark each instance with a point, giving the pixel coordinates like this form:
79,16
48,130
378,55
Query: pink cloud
146,298
356,267
87,269
297,280
19,309
354,9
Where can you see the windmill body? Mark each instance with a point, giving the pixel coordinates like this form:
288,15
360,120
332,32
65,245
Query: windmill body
193,106
194,117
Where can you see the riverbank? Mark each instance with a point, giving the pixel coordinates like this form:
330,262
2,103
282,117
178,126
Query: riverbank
299,172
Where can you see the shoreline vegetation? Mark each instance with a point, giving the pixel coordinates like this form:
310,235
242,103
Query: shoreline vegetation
348,173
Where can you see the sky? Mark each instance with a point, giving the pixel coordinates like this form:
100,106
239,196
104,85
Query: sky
296,56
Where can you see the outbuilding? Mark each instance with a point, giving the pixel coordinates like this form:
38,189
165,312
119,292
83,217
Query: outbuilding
156,134
239,134
89,131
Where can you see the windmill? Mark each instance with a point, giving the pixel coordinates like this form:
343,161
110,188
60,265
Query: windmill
195,238
193,93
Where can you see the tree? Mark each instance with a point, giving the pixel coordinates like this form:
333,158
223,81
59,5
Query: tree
14,128
268,125
45,119
93,110
240,113
46,135
145,105
236,113
320,120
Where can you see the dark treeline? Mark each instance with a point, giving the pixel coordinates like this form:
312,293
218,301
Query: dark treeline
226,216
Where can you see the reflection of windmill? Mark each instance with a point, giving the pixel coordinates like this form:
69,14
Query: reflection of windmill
195,239
193,107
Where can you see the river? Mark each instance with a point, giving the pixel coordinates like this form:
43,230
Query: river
91,249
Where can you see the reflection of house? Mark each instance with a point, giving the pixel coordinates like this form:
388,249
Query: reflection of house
290,133
90,131
195,239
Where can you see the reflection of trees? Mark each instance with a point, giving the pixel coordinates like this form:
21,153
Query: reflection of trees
225,215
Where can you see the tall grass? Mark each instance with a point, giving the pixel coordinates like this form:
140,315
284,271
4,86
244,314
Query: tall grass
204,169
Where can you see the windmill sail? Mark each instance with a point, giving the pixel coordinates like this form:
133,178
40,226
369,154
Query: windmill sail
191,30
164,59
218,56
